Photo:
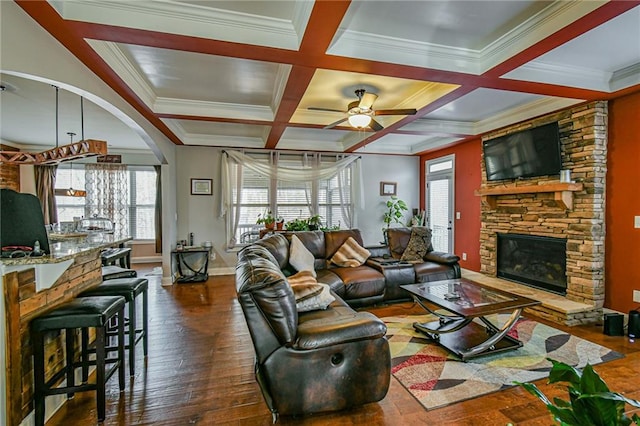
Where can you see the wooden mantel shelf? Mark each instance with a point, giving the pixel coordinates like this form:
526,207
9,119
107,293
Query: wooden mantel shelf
563,192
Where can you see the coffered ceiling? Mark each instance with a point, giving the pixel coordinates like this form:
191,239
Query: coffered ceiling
245,73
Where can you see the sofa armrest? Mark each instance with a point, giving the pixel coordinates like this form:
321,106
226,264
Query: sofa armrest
324,332
379,251
441,257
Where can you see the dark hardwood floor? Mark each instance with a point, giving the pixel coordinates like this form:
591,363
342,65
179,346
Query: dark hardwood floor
200,371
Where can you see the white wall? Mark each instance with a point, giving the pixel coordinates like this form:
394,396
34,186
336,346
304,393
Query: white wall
199,213
386,168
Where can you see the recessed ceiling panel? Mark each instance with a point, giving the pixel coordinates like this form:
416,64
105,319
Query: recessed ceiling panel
599,59
194,76
278,24
207,133
460,24
481,104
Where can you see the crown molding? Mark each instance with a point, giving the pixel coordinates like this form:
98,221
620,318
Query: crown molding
625,77
223,141
402,51
440,126
563,75
114,57
212,109
523,112
282,77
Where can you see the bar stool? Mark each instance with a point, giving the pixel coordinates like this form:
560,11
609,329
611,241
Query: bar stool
111,272
82,313
129,288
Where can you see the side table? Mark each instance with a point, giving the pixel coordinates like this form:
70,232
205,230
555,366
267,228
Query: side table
190,264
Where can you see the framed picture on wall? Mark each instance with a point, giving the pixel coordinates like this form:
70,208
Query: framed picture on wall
201,186
388,188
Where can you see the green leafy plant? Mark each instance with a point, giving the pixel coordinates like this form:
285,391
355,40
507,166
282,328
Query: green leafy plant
314,222
266,218
297,225
394,212
591,403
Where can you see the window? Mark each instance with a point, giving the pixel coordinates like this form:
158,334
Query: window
288,198
141,181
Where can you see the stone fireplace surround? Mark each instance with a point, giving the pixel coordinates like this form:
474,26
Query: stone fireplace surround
583,136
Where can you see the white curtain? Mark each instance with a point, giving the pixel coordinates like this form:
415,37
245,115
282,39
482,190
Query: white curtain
108,194
311,171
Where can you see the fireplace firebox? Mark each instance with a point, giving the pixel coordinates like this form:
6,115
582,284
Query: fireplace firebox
539,262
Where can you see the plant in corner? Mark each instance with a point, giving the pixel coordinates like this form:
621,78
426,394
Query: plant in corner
393,214
590,400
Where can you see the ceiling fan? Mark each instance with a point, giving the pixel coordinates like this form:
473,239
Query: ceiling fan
360,113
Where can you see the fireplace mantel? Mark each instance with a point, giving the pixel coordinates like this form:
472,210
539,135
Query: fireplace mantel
563,192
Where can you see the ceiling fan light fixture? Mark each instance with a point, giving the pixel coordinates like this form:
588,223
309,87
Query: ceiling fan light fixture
359,121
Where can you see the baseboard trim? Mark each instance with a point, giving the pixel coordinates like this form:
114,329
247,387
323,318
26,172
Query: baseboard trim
146,259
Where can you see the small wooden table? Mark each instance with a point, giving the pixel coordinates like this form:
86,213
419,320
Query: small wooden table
465,300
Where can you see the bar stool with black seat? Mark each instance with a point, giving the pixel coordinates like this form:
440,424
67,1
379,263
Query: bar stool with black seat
111,272
81,313
129,288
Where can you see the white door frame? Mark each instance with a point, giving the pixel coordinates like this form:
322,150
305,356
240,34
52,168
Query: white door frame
447,173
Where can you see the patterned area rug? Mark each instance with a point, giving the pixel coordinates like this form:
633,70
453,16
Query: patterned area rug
436,378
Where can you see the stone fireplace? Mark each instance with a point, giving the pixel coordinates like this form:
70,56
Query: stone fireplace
544,207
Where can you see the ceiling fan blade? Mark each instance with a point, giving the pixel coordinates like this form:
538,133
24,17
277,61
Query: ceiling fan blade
325,109
335,123
375,126
410,111
367,100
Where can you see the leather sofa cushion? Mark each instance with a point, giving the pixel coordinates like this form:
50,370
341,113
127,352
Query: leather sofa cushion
338,327
442,257
327,276
431,271
278,246
258,279
359,282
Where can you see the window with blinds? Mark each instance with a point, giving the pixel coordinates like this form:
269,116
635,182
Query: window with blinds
141,205
288,200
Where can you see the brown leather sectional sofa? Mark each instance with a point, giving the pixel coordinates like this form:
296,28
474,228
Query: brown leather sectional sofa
330,359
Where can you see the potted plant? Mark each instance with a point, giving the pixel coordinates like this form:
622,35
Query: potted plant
297,225
279,223
393,214
267,219
314,222
590,400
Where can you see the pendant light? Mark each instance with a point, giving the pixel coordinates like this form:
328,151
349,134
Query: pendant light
71,192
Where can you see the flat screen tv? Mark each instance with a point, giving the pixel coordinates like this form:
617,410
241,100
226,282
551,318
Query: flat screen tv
528,153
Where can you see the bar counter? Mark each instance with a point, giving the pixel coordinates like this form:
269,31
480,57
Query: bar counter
30,286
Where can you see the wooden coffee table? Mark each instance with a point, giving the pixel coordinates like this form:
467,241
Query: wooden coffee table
464,300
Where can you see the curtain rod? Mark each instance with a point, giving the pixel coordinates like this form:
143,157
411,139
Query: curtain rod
293,152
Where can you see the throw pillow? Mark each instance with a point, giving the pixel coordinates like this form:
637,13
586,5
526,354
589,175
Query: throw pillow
320,301
350,254
302,277
419,244
300,257
304,286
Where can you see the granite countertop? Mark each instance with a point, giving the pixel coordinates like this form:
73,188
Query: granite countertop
69,248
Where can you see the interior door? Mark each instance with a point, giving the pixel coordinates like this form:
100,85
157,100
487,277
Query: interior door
439,178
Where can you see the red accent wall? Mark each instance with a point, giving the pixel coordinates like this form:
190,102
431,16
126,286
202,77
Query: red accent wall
622,241
467,180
